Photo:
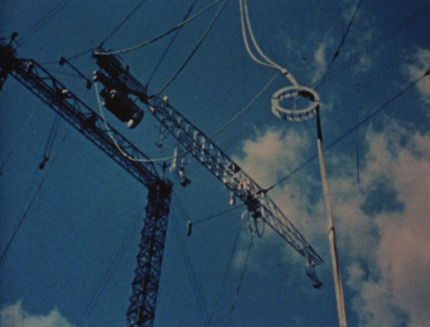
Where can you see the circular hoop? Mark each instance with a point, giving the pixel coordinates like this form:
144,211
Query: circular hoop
293,92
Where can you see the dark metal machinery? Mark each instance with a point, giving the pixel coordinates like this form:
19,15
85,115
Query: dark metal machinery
192,141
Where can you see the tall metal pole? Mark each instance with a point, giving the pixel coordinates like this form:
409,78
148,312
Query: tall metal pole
331,230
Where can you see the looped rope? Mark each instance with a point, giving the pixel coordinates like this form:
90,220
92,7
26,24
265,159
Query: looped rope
255,224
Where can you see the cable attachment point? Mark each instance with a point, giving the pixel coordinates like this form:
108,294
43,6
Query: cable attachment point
311,273
178,166
254,213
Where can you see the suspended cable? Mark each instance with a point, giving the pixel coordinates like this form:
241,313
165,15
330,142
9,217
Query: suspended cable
196,286
224,279
29,205
294,92
241,112
219,214
195,48
246,108
44,20
122,22
170,44
398,27
242,275
50,141
342,41
247,29
349,131
81,54
162,35
109,272
416,15
14,147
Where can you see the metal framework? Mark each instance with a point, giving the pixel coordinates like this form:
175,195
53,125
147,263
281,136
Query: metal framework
202,148
192,141
149,258
48,89
147,274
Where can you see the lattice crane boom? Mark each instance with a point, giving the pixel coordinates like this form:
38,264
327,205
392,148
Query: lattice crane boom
118,84
141,312
202,148
195,142
58,97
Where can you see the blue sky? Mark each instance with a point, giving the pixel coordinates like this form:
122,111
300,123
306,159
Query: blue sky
71,262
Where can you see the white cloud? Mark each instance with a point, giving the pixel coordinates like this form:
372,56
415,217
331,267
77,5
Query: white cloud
15,315
393,241
382,223
270,155
359,36
321,62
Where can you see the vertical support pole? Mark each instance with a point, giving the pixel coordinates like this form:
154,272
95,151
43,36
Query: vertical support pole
331,230
141,312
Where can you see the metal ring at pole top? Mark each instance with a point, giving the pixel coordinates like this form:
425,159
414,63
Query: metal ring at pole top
293,92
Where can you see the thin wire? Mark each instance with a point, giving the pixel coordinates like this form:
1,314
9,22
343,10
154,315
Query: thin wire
218,214
342,41
123,22
346,32
14,147
349,131
30,204
398,27
195,48
196,286
242,275
247,107
162,35
51,135
109,272
170,44
224,279
44,20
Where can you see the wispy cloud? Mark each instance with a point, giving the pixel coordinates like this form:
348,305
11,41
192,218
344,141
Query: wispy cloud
15,315
320,62
382,222
399,264
420,64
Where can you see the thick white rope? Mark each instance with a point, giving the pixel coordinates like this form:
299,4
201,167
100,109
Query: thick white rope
247,29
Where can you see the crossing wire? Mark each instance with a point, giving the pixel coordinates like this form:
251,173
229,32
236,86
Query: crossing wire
242,275
14,147
196,286
350,130
398,27
224,279
141,45
109,271
342,41
170,44
202,38
44,20
29,205
122,22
